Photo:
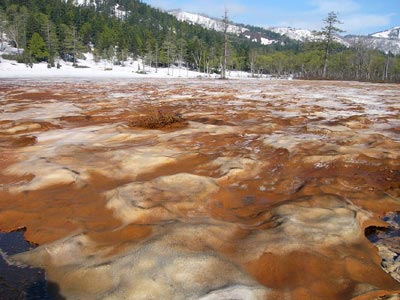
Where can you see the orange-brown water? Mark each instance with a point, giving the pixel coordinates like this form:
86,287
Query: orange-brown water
262,192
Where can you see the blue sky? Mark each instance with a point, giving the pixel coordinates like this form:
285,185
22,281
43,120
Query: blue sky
358,16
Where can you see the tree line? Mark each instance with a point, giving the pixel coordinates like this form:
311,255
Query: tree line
51,30
358,62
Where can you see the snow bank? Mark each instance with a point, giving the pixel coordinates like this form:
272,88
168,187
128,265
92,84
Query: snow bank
88,68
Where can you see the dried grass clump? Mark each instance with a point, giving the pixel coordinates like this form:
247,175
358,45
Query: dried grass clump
158,119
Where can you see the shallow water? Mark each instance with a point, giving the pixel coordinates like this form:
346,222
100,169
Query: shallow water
20,282
264,191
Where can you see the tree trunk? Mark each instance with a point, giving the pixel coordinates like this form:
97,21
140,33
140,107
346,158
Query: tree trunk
386,69
168,60
223,73
325,69
156,58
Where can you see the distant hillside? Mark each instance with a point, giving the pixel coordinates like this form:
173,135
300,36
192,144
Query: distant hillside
261,36
386,41
119,31
392,33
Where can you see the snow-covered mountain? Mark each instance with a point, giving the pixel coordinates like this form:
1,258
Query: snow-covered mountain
304,35
392,33
301,35
388,40
205,21
384,44
218,25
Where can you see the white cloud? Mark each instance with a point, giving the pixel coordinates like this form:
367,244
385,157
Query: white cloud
236,8
349,12
164,4
341,6
210,8
300,24
356,23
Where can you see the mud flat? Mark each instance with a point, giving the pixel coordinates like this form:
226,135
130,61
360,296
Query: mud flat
197,189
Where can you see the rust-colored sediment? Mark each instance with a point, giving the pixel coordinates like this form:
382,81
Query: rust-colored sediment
274,181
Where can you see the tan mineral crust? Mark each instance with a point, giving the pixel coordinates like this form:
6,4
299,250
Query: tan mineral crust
260,189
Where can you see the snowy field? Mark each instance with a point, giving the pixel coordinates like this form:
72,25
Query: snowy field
88,68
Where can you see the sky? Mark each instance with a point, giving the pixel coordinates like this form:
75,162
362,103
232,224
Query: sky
358,16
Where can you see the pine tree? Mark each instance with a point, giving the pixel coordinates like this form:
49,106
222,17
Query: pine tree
181,43
225,57
149,54
3,23
169,47
50,34
71,45
328,33
38,48
196,50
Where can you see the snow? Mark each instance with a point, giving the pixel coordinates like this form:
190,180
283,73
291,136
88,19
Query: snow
217,25
120,14
303,35
387,34
265,41
379,43
206,22
11,69
293,33
82,2
103,69
388,40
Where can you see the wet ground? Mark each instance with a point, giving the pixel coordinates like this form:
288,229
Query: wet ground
197,189
387,239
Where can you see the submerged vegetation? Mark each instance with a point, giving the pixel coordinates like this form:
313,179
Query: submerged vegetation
157,118
51,30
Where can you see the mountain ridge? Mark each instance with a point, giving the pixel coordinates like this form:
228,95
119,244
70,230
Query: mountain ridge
393,32
386,41
218,25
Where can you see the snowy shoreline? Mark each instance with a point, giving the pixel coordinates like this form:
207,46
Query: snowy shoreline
89,69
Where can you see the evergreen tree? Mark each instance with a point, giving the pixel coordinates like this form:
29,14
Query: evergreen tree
71,46
150,53
38,48
169,49
181,49
328,33
196,49
3,23
51,38
225,53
